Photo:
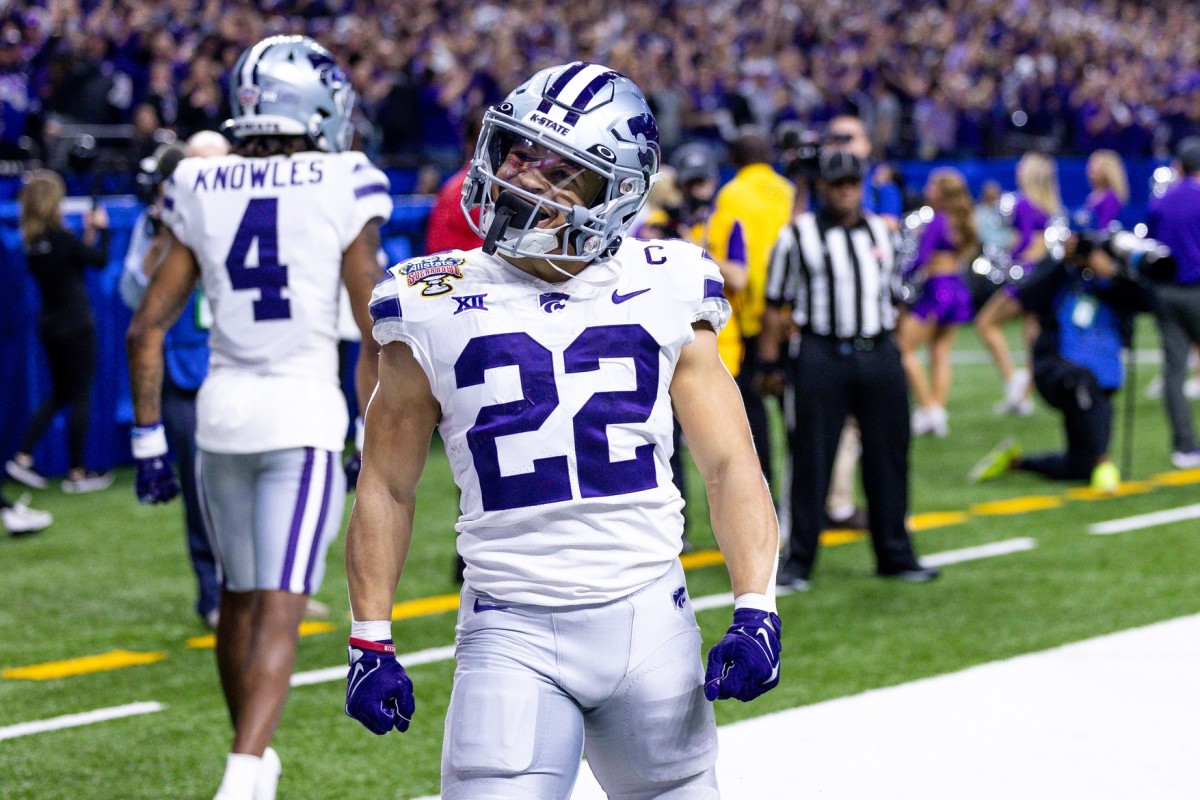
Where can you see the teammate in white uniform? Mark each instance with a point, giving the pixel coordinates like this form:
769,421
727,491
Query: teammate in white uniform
272,232
551,361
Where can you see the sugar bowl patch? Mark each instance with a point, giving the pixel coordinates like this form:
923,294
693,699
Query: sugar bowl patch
434,272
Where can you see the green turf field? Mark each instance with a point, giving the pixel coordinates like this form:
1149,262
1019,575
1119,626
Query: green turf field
112,575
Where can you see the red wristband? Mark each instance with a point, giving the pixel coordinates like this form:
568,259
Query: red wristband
367,644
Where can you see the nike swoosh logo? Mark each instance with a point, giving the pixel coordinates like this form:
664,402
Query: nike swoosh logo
766,642
479,606
621,298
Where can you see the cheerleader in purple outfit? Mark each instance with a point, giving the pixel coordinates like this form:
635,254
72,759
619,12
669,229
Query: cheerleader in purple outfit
1110,189
1038,199
945,302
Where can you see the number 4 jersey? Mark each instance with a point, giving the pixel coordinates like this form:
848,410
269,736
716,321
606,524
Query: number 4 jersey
556,415
269,234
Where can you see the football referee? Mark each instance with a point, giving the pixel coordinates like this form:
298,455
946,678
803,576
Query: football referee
835,269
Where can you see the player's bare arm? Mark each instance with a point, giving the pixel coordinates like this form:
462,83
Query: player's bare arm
166,296
360,273
710,410
400,421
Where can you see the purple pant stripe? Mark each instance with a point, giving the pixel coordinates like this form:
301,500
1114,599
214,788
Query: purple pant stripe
297,521
319,533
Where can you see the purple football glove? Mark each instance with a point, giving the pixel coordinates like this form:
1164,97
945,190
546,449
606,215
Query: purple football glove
378,692
745,663
156,481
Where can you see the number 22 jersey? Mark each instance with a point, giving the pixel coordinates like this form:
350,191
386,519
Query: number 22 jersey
269,235
556,415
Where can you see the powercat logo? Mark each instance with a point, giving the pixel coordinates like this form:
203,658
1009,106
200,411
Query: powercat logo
546,122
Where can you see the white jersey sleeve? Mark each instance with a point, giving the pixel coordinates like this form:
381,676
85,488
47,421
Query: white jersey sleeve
556,411
269,235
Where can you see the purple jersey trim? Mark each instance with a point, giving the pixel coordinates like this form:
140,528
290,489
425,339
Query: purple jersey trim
370,189
713,288
387,308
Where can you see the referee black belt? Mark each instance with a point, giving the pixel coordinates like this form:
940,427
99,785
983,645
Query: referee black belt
848,344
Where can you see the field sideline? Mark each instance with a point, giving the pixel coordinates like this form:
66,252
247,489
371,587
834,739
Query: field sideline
112,576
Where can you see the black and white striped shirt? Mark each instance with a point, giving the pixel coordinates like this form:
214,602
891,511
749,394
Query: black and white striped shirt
839,281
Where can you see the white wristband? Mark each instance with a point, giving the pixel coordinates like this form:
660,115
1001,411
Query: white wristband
148,442
374,629
359,433
759,602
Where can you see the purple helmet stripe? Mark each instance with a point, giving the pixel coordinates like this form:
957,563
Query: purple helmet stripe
297,521
563,79
592,89
319,533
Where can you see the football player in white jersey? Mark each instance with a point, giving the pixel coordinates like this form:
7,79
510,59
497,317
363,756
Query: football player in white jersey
551,361
271,231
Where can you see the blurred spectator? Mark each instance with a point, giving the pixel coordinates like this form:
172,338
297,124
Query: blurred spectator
1110,190
447,228
1037,201
970,76
748,213
989,222
1175,221
881,195
56,259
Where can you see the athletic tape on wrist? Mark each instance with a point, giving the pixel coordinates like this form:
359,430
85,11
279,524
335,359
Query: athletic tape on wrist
758,602
375,630
149,441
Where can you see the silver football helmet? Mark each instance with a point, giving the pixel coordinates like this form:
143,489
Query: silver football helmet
574,149
291,86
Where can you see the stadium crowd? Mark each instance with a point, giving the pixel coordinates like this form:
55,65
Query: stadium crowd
943,79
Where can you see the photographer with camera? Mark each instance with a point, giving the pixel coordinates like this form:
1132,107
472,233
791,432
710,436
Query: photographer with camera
1085,301
1175,221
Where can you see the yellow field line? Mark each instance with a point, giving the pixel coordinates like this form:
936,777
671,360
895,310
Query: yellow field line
438,604
307,628
115,659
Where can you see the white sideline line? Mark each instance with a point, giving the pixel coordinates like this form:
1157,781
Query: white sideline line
1144,520
705,603
1001,548
338,673
435,654
78,720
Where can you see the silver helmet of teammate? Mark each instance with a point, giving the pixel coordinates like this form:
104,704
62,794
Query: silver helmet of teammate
588,135
291,86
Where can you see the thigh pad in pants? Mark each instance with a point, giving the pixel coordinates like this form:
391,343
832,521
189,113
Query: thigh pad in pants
272,516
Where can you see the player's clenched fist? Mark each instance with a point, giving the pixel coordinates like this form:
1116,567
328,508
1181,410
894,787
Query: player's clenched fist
745,663
379,694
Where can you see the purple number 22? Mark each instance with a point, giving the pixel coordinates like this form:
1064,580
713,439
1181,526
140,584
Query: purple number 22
549,482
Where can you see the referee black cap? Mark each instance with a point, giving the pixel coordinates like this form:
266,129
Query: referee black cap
838,165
